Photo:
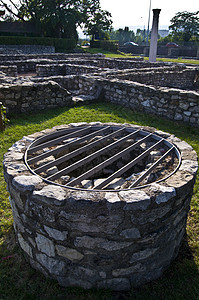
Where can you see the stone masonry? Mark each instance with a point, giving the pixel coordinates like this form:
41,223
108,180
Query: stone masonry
35,82
112,240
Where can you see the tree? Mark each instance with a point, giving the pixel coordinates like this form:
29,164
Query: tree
123,35
140,37
59,18
96,22
186,25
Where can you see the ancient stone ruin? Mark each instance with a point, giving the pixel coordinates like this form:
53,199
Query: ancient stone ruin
100,205
36,82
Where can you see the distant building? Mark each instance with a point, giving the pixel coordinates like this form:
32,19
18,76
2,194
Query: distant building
163,32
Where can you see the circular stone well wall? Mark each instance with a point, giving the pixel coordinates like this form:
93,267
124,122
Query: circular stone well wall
99,239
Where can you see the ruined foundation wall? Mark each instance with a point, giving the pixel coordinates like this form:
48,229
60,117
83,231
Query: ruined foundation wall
164,77
171,103
31,96
28,49
174,104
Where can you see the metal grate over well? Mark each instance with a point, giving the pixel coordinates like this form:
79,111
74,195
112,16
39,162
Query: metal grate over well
105,156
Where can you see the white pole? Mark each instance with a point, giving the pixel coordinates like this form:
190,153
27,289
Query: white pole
147,38
154,36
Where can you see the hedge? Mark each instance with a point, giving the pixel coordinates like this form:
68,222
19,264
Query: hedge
59,44
95,44
109,45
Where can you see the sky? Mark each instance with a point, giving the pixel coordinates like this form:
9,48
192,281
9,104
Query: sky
133,13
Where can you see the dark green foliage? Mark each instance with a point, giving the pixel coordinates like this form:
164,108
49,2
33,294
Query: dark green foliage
95,44
60,18
3,118
186,25
109,45
123,35
59,44
96,21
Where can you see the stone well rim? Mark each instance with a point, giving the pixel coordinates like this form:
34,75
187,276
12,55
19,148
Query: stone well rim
158,134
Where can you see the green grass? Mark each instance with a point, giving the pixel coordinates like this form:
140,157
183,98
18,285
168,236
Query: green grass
122,55
18,281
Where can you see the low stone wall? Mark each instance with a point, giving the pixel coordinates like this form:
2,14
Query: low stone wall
9,70
143,86
54,65
29,49
45,67
31,96
166,76
64,69
51,56
170,103
174,104
112,240
96,66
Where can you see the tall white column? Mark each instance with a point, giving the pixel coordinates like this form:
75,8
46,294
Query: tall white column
154,36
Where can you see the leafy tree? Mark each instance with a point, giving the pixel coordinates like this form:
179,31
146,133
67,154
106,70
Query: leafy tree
186,25
96,22
59,18
123,35
140,37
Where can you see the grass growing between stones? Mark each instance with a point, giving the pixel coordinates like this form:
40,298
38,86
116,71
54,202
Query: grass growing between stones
19,281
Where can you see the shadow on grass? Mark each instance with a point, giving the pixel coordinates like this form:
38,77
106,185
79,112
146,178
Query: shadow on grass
38,117
112,112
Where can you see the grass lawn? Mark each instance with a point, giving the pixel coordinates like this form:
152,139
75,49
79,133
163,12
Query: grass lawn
19,281
122,55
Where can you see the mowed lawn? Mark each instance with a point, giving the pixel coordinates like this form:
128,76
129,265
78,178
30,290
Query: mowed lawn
19,281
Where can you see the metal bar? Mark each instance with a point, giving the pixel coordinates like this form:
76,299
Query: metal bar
149,170
53,135
127,166
78,151
90,157
58,140
106,162
61,148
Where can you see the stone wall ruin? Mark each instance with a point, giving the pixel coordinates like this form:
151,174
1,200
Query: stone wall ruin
112,240
31,82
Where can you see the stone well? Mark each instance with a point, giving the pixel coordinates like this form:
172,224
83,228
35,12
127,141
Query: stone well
99,239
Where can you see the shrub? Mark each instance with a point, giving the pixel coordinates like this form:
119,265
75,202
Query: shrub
3,118
59,44
95,44
109,45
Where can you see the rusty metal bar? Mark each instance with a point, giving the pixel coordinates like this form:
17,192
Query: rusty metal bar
93,156
61,148
107,162
151,168
78,151
44,138
58,140
127,166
